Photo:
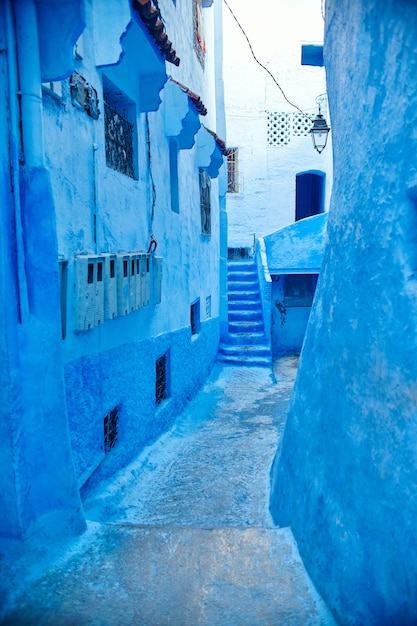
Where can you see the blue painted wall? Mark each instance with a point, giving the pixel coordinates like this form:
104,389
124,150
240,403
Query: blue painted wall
289,319
124,376
345,477
60,200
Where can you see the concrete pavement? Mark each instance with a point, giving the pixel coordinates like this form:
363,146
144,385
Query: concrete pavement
183,535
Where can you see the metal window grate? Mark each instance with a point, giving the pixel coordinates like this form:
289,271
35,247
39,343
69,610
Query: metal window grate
63,284
205,204
195,317
161,379
119,142
232,170
208,307
111,429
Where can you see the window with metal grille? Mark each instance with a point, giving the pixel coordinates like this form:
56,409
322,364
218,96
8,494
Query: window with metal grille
63,284
195,317
205,204
161,381
208,307
53,88
173,174
199,42
120,130
111,429
232,170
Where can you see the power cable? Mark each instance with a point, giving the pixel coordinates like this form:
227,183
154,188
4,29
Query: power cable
261,64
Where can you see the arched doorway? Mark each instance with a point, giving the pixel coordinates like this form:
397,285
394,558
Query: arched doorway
309,193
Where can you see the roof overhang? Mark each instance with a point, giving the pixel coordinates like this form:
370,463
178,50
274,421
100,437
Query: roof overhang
298,248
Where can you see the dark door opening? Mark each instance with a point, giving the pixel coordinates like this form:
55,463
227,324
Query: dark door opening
309,194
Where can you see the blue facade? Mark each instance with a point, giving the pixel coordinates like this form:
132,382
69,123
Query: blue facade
344,478
99,267
294,256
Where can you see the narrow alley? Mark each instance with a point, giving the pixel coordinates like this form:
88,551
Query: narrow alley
183,535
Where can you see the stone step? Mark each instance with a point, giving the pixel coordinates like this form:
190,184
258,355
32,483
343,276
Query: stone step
247,294
246,327
238,305
241,338
246,361
241,266
242,315
245,350
239,276
242,285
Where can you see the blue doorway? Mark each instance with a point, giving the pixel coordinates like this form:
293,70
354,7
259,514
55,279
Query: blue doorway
309,194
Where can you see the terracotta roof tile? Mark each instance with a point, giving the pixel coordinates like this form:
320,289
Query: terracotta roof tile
220,142
195,99
151,17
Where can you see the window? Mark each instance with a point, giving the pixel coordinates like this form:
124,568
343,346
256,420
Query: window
161,381
173,173
299,289
63,284
232,170
120,130
90,275
205,205
111,429
195,317
199,43
54,88
208,307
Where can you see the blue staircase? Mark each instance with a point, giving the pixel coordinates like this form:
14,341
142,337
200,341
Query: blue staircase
246,343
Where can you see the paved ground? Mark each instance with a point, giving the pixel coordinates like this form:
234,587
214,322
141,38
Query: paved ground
183,536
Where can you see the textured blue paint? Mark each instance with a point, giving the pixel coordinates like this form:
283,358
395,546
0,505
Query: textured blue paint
345,480
288,324
265,285
297,248
58,31
125,376
64,201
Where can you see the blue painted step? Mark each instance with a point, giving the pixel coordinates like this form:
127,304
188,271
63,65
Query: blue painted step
246,343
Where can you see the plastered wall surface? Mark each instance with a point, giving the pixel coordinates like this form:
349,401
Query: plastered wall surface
265,200
345,476
60,383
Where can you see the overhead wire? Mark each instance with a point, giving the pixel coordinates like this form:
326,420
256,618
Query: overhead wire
261,64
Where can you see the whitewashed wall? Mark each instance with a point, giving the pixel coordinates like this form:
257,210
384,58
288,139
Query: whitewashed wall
266,197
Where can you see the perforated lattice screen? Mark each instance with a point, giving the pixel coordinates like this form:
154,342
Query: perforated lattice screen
282,127
301,125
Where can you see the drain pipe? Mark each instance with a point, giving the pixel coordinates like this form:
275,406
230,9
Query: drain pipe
15,150
30,82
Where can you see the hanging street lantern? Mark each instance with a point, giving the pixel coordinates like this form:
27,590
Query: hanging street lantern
319,132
